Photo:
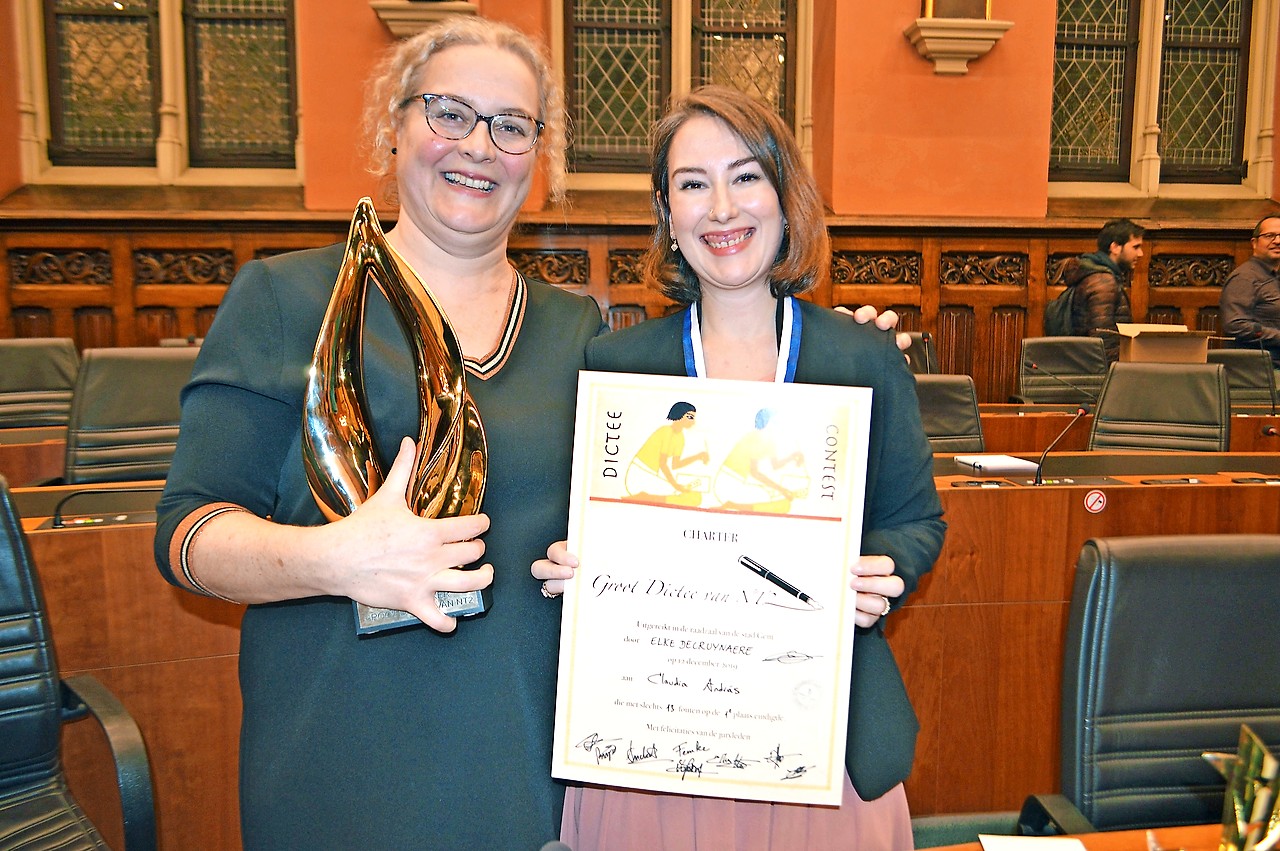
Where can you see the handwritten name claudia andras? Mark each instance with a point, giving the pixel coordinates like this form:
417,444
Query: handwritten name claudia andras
830,454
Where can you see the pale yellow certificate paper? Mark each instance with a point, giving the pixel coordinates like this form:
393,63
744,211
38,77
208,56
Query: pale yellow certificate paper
682,668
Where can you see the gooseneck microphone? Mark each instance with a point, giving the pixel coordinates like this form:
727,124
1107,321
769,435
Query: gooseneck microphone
1092,397
925,338
1080,412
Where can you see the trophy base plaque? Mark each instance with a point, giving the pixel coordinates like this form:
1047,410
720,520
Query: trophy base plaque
455,604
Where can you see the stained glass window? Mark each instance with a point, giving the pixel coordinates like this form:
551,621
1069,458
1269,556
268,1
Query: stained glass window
1203,68
103,59
620,59
1203,57
240,90
1094,60
104,81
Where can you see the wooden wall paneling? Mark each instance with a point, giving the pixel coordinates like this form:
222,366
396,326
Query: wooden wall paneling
93,328
955,341
57,274
1183,279
975,310
175,273
32,322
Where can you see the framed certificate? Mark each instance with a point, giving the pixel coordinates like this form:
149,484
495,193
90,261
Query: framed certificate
707,636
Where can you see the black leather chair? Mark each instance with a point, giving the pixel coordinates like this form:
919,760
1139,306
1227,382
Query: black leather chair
1165,406
949,411
37,375
1251,378
922,354
37,810
1170,648
125,413
1061,370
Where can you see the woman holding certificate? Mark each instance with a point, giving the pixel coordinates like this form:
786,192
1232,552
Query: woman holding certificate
739,235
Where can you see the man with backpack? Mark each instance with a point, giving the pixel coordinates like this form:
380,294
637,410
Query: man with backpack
1096,284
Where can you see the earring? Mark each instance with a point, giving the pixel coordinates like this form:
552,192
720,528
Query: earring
675,246
393,152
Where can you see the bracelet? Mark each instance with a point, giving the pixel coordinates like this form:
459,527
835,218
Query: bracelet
184,552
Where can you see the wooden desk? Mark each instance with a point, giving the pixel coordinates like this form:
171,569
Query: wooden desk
1200,837
29,455
1021,428
171,659
980,643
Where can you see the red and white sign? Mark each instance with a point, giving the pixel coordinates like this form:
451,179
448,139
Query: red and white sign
1095,501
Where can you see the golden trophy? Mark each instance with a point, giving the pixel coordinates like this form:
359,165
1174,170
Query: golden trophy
337,446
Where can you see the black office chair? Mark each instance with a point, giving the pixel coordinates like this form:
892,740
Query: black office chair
37,375
1165,406
1251,378
37,810
125,413
1170,648
1061,370
949,411
922,354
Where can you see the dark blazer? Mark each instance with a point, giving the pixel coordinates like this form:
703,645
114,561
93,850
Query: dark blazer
901,517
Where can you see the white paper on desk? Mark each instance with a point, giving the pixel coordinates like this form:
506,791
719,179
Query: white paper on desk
996,842
996,464
680,669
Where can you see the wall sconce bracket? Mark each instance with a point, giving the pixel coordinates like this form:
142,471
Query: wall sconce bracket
951,43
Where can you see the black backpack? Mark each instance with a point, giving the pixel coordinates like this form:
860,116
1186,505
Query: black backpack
1057,314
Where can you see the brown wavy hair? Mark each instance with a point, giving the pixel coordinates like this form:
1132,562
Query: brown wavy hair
804,257
396,78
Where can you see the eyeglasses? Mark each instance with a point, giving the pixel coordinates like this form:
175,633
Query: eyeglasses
1268,237
511,132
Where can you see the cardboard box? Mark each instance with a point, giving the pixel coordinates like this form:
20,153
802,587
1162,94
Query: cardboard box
1162,343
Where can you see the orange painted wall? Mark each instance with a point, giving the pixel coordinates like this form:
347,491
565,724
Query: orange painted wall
339,42
10,170
891,137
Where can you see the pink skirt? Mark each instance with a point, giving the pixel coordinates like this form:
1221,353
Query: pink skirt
598,818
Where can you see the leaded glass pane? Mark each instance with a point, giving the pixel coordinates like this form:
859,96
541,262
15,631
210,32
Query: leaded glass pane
647,12
103,92
755,65
1202,20
1087,105
1198,100
744,13
1094,57
241,97
249,8
617,77
245,95
1201,102
1092,19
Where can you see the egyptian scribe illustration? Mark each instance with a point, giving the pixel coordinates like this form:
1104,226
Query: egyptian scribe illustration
755,476
652,475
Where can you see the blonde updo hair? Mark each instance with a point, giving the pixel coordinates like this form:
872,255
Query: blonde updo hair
396,78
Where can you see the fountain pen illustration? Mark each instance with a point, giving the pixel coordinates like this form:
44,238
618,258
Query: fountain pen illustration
765,573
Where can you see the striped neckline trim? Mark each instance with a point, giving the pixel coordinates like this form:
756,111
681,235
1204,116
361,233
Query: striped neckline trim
491,363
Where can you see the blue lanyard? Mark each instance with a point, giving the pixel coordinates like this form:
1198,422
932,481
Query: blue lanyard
788,351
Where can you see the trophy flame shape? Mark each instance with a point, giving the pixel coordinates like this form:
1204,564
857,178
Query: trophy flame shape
337,447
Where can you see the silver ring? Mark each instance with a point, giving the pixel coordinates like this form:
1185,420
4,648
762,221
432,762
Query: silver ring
547,593
888,604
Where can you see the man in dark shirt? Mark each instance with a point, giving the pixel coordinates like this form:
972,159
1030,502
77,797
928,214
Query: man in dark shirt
1249,307
1099,279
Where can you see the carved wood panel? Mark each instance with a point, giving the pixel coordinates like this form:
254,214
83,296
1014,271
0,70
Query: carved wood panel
978,289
